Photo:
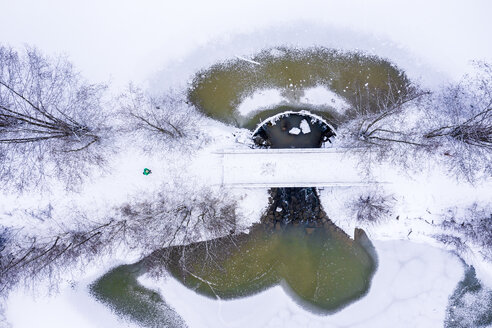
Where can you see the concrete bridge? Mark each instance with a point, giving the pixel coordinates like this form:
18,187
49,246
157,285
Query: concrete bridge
294,167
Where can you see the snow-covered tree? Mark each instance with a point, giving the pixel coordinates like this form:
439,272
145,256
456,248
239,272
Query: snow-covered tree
453,125
51,120
372,206
146,224
459,124
166,121
387,132
473,226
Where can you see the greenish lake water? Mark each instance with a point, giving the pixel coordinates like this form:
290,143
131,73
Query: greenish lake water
320,267
364,81
120,290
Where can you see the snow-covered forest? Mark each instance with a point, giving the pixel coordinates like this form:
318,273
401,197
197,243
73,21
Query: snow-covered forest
84,111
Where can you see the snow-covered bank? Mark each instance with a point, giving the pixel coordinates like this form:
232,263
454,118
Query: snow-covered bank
420,203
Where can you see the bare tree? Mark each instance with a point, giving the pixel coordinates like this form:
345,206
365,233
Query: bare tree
387,131
380,119
453,125
168,119
390,94
473,225
389,126
464,111
50,119
28,259
175,216
182,218
372,207
459,124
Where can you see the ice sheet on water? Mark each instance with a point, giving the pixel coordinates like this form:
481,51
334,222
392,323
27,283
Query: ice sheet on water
305,127
295,131
260,99
320,96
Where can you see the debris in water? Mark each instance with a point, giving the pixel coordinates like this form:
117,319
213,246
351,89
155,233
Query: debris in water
295,131
305,127
248,60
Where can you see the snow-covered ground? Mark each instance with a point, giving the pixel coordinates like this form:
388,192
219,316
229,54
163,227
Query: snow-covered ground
161,44
72,306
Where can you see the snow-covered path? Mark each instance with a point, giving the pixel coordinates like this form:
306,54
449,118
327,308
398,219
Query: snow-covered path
316,167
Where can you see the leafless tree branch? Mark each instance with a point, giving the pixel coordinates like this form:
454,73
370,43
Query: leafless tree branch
50,120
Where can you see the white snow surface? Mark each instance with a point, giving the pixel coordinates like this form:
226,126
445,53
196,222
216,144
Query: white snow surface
260,99
269,98
304,126
322,96
295,131
291,168
129,41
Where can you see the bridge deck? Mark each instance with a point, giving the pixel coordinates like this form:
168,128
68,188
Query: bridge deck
324,167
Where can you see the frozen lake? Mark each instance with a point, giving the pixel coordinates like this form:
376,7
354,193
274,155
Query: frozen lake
410,289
